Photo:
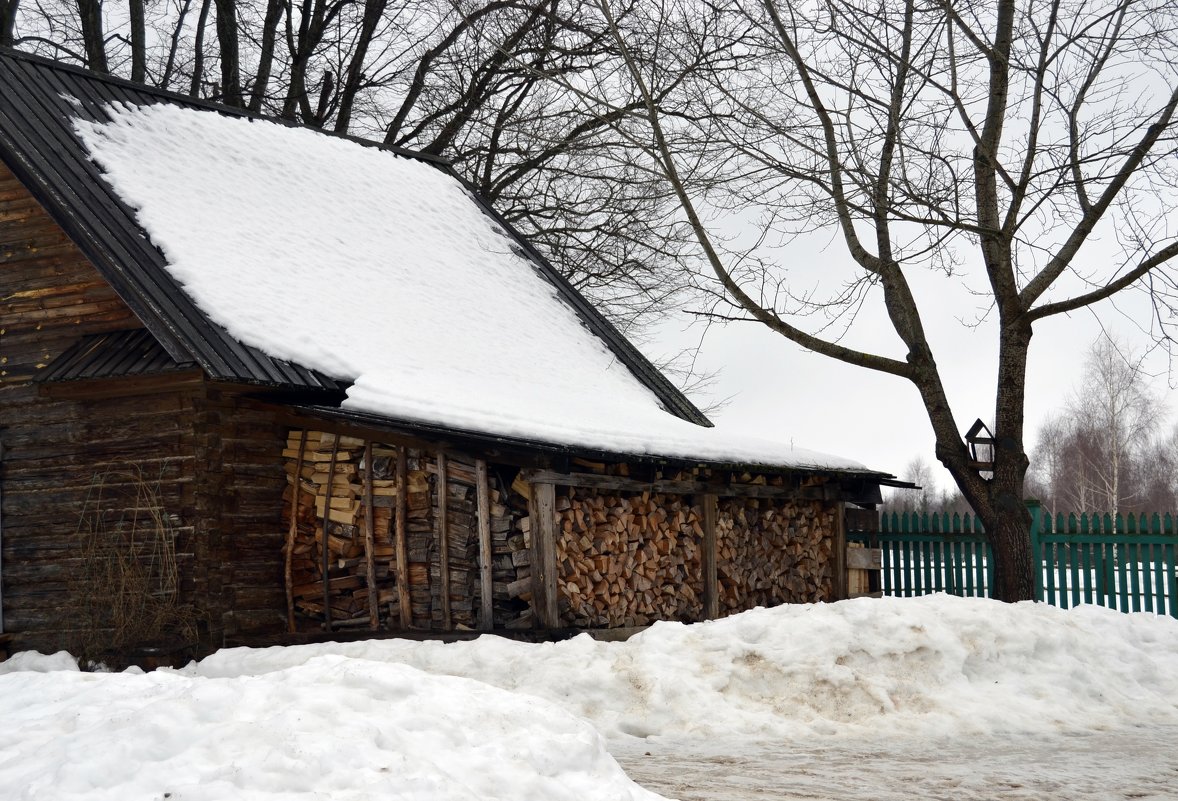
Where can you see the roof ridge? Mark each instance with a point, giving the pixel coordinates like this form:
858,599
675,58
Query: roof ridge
212,105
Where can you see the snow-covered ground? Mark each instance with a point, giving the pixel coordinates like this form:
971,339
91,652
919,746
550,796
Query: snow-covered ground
935,697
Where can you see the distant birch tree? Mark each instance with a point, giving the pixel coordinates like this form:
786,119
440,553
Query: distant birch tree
1101,453
989,141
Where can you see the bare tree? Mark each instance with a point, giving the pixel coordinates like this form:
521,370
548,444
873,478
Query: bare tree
922,500
1100,453
1116,414
986,142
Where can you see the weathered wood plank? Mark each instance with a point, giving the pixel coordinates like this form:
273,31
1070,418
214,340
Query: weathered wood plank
486,615
443,512
542,513
370,541
711,588
829,491
401,514
292,529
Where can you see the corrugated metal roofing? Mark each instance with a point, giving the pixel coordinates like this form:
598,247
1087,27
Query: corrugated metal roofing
38,143
119,353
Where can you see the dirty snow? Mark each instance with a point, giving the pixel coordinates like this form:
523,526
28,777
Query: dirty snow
936,697
383,270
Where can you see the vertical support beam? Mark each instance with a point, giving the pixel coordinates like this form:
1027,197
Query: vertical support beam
1,538
542,513
402,512
711,580
444,539
487,613
296,486
326,556
839,568
370,541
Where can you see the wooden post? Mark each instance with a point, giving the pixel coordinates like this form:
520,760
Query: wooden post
542,513
402,510
839,589
370,541
327,522
711,581
296,486
487,616
444,539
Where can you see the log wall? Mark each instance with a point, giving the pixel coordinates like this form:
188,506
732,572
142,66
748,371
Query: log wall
212,457
49,296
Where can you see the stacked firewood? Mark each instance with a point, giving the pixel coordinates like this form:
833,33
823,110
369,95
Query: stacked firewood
512,563
340,518
343,519
627,559
773,552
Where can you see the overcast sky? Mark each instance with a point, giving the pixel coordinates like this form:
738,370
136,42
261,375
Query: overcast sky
780,389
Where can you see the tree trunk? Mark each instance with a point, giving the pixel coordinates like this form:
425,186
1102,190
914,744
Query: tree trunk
198,63
373,11
274,10
90,16
138,42
1008,524
166,78
1008,530
8,9
230,61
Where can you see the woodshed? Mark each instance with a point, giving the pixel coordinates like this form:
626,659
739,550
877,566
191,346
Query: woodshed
187,457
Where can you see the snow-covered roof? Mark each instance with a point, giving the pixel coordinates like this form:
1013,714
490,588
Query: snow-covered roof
383,271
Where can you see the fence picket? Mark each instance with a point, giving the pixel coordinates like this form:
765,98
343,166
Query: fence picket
1125,562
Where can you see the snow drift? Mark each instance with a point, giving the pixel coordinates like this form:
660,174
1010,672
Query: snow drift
495,719
923,666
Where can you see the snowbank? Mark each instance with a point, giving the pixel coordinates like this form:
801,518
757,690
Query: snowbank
405,720
418,296
331,728
38,662
937,665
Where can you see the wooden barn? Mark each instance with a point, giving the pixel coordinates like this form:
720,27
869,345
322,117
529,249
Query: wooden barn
258,379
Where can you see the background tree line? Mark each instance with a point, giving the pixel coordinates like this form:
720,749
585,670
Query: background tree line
1111,447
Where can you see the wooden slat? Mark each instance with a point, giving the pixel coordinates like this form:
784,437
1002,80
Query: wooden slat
542,512
404,600
829,491
840,553
326,554
864,559
370,540
290,535
444,540
483,492
711,581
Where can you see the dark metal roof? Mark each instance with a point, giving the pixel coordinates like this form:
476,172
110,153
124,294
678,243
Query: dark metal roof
118,353
41,98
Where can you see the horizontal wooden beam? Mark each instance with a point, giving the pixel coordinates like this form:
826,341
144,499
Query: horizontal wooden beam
831,491
864,559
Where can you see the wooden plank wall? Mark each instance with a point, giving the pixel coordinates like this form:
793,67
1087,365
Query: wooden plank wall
49,296
214,456
240,471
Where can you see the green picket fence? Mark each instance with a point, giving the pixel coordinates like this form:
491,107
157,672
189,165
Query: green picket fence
1126,564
